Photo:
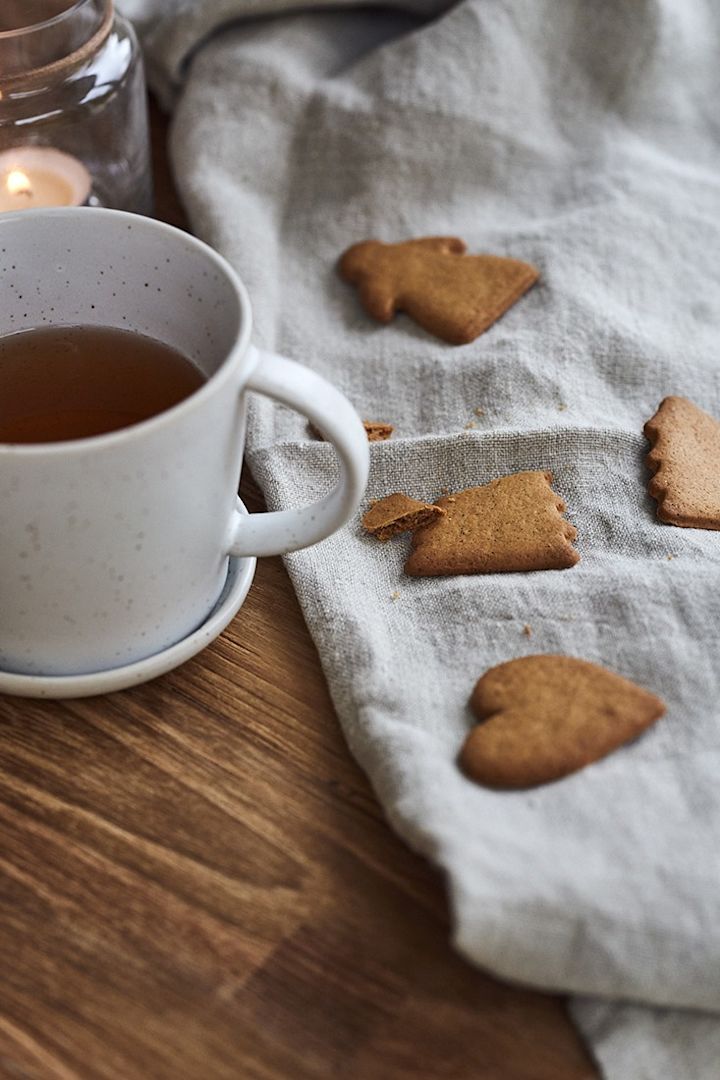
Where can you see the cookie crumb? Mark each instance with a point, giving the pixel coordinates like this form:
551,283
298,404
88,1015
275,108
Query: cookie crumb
561,408
479,411
527,630
470,424
395,595
669,557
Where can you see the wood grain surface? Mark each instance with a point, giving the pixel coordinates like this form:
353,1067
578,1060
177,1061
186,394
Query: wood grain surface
197,883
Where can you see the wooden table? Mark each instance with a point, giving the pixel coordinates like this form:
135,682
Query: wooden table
197,883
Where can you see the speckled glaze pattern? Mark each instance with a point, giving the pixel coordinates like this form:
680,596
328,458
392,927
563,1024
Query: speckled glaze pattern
237,585
115,548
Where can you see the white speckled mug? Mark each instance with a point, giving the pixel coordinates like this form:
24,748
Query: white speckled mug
113,548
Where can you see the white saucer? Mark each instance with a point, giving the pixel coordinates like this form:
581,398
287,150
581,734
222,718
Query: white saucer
237,584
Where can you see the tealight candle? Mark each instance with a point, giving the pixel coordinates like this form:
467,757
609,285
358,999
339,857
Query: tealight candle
35,176
72,93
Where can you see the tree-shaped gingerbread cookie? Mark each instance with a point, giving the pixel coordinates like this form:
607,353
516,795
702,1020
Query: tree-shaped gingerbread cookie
450,294
685,444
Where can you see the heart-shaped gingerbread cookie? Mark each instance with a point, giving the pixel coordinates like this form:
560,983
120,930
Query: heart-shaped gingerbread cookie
544,717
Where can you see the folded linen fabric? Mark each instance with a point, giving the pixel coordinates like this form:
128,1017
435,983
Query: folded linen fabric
582,139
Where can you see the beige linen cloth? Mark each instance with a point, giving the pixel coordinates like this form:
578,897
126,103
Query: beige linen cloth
583,137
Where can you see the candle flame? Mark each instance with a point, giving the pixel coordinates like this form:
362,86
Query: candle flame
18,183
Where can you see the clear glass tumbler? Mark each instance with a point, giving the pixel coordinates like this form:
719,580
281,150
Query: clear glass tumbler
73,110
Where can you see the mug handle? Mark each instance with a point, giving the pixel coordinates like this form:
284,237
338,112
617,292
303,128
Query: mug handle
281,531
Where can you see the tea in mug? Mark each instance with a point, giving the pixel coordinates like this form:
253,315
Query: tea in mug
72,382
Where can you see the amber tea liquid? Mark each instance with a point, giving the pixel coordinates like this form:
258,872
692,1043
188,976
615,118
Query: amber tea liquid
71,382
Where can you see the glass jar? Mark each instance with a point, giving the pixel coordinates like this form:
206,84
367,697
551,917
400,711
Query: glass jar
73,109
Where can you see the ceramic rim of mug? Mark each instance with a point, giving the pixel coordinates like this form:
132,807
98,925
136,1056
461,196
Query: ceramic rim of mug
195,400
65,63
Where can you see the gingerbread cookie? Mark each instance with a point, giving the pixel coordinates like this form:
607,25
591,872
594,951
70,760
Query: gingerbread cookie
544,717
685,459
450,294
514,523
398,513
376,431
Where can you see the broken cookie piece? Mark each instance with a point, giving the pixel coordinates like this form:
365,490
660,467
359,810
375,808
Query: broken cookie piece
514,523
398,513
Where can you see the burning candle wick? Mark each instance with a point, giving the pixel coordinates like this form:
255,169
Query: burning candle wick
18,183
37,176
